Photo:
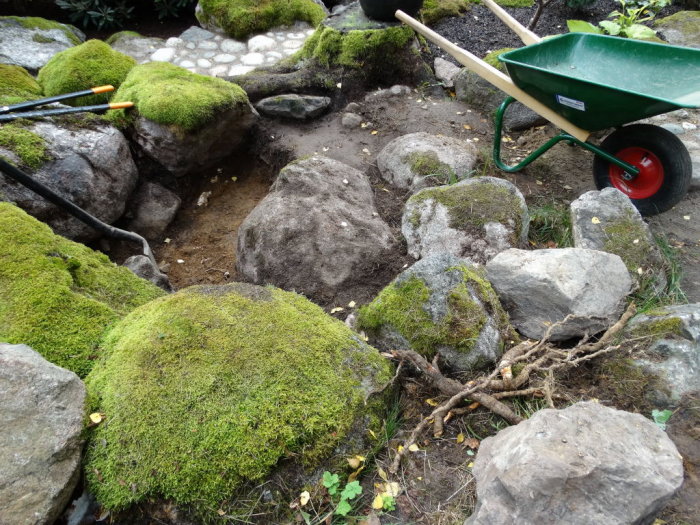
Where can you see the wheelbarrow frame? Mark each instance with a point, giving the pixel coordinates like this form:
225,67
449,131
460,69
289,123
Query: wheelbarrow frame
571,133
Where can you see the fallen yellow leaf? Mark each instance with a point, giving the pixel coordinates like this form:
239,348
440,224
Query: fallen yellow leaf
392,489
97,417
413,448
432,402
595,220
304,498
373,132
382,474
352,477
354,463
220,512
378,503
400,448
460,438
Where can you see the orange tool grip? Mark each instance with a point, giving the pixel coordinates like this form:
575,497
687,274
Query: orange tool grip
102,89
121,105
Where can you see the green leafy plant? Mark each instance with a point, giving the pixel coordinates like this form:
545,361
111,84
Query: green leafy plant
342,500
171,8
100,13
625,22
661,417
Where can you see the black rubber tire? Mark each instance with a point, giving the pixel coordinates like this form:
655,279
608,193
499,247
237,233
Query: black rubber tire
672,154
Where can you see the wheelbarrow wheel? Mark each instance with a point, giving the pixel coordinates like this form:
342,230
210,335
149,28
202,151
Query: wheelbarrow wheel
664,166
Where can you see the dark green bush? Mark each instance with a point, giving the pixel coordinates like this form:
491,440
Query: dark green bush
115,13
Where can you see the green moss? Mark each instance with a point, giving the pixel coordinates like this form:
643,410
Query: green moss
173,96
628,239
241,18
688,22
41,39
427,164
658,328
330,47
435,10
122,35
88,65
515,3
473,205
619,378
27,145
402,306
211,387
59,296
492,58
17,85
35,22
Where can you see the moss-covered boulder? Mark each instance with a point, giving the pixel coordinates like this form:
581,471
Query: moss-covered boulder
241,18
17,85
441,304
31,41
88,65
435,10
183,120
681,28
475,219
59,296
210,388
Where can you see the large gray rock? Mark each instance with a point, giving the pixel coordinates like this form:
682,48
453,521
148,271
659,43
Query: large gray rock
475,219
299,107
681,28
41,422
480,94
316,232
674,351
31,42
541,287
442,304
90,166
140,48
181,152
607,220
420,159
153,208
586,464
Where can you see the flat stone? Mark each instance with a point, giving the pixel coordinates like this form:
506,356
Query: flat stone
218,71
676,129
173,41
232,46
191,45
209,54
261,43
196,34
274,54
296,36
240,70
224,58
186,64
204,63
292,44
252,59
163,55
207,44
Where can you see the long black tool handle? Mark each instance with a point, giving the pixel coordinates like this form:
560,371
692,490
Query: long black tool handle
77,212
57,98
99,108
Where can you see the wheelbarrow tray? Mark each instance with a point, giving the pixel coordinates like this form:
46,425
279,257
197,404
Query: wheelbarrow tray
598,82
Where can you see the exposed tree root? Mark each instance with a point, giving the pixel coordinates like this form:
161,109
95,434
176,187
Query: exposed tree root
541,358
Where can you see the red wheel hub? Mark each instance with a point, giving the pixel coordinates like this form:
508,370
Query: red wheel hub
650,178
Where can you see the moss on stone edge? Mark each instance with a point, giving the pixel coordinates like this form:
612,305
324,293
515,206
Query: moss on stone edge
172,96
122,35
492,58
241,18
515,3
471,206
627,238
435,10
59,296
686,21
331,48
35,22
427,164
210,387
17,85
401,306
82,67
27,145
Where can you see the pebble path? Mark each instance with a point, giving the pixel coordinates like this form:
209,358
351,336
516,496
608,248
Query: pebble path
207,53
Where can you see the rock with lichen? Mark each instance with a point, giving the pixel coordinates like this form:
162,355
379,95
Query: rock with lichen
182,121
242,18
216,387
607,220
317,232
474,219
565,293
59,296
80,157
31,41
420,159
441,305
681,28
82,67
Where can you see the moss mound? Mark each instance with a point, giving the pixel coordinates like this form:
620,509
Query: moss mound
27,145
409,306
210,387
17,85
435,10
59,296
241,18
173,96
88,65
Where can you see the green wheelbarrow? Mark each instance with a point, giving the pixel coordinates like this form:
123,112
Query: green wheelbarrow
584,82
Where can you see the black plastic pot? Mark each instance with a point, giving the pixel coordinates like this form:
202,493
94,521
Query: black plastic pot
384,9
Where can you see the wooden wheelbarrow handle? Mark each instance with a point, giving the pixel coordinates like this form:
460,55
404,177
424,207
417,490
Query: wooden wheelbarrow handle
494,76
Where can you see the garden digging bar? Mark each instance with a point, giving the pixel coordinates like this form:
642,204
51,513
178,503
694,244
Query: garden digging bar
584,82
8,113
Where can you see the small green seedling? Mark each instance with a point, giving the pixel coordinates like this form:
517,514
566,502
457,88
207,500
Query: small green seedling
350,492
661,417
